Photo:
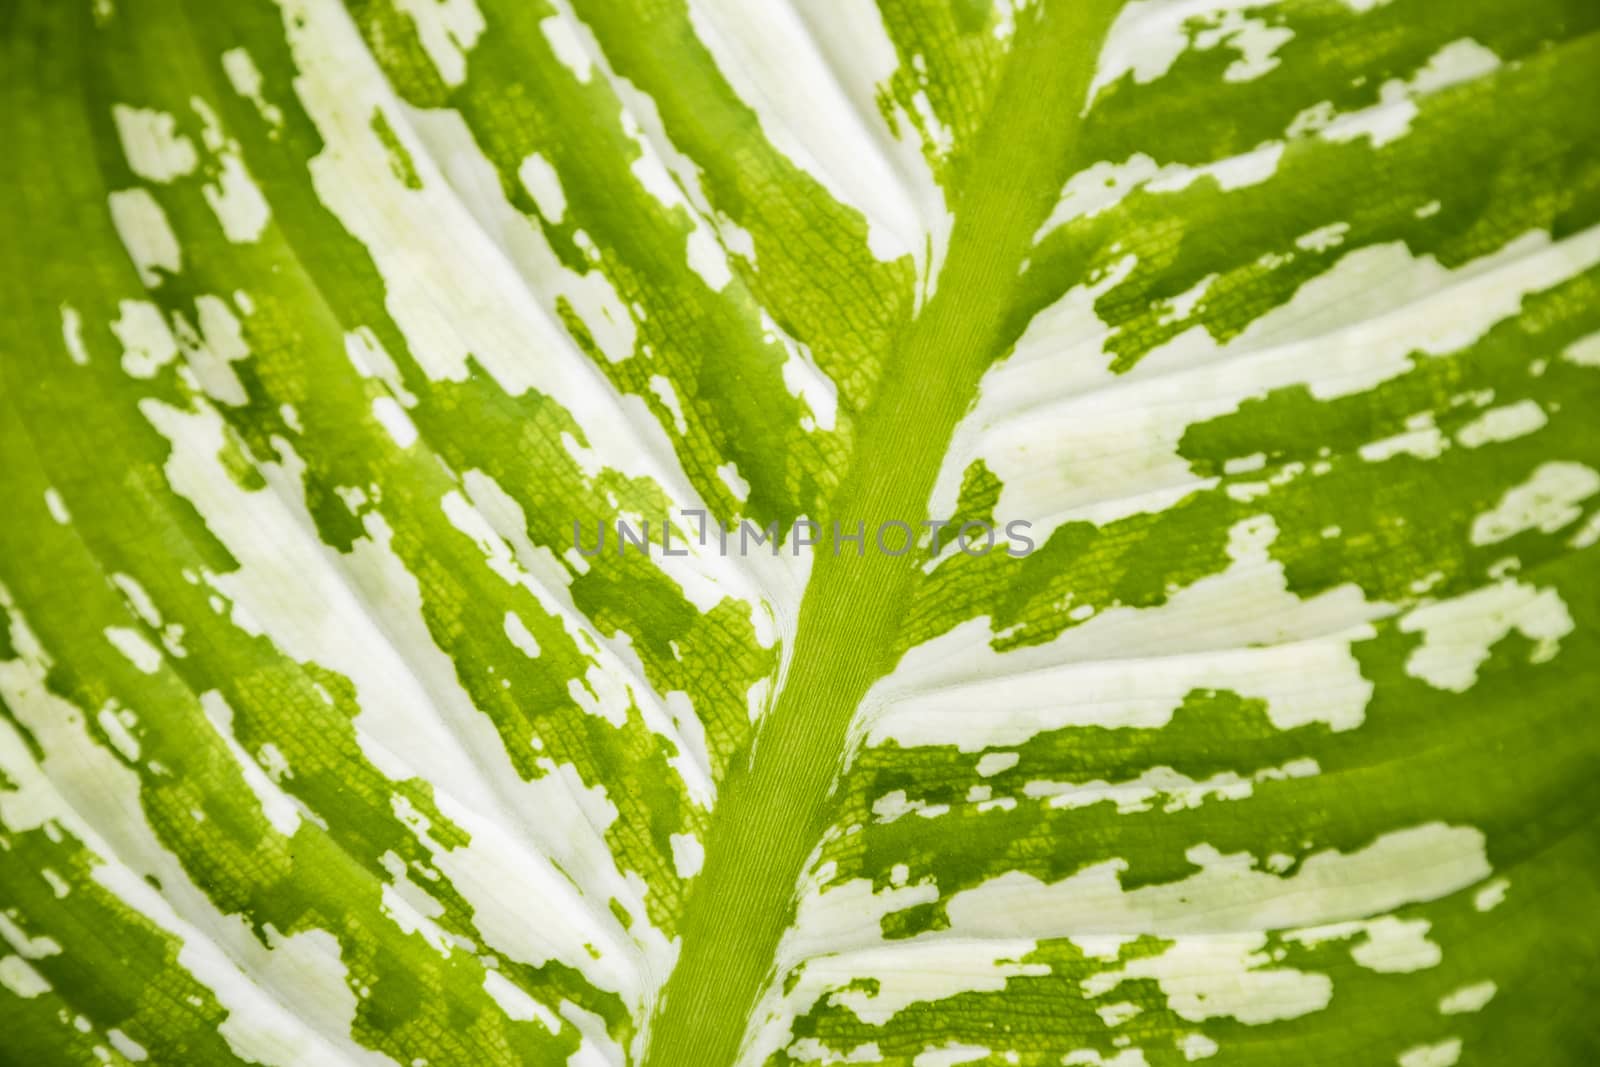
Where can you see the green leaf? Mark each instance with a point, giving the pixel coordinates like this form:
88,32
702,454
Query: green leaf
1261,338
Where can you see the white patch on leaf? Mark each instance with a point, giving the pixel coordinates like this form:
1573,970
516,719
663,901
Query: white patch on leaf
1457,634
1397,946
1068,439
1390,118
155,150
804,379
1254,39
245,77
276,805
992,763
237,202
1503,424
688,855
146,234
372,360
904,204
1241,630
729,473
19,978
448,29
57,507
1148,36
1229,894
708,260
132,644
661,386
763,49
1585,352
147,343
567,46
542,182
72,335
1469,998
395,421
1177,792
1546,501
516,1003
1223,976
518,633
1490,896
1441,1054
1324,238
1388,945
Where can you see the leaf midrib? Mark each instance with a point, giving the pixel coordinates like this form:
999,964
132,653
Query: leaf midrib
775,804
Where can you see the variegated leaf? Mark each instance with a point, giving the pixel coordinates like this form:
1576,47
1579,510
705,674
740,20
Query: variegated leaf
1262,337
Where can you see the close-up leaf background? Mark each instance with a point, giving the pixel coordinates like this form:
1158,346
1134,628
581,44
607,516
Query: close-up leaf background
326,327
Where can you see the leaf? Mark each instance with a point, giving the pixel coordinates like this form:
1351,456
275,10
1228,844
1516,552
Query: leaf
1259,338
